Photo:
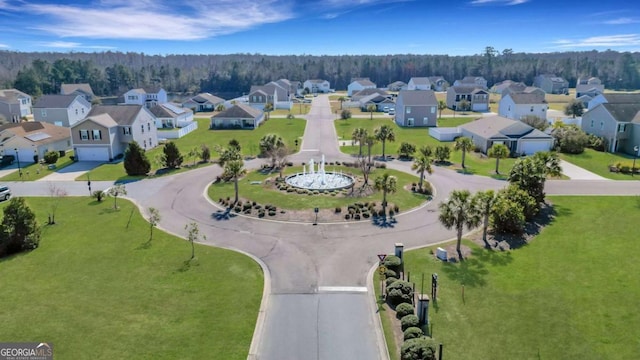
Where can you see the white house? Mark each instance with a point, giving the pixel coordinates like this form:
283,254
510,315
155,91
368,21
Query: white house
317,86
518,105
169,116
419,83
14,104
148,97
360,84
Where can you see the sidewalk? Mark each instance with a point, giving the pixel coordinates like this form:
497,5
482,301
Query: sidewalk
575,172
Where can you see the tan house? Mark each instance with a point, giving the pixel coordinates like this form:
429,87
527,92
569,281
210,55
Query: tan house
83,90
239,116
477,99
28,138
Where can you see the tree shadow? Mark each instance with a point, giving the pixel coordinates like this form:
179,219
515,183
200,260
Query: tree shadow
384,222
466,171
221,215
470,272
496,258
186,265
145,245
545,217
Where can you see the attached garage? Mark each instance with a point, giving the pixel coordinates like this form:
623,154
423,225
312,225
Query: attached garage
479,107
98,153
532,146
25,155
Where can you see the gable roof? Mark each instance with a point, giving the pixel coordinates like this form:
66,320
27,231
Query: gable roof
121,114
239,111
435,79
39,133
66,89
465,89
364,82
376,98
316,81
498,127
624,112
397,84
369,91
207,97
12,94
421,81
626,98
55,101
418,97
167,110
527,98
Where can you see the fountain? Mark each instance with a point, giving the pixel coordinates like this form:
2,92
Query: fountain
319,179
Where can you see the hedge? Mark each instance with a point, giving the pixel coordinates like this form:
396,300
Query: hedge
412,332
408,321
403,310
418,349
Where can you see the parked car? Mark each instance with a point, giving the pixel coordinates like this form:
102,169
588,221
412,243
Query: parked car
5,192
6,160
392,111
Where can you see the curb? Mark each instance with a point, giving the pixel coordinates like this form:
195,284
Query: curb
383,350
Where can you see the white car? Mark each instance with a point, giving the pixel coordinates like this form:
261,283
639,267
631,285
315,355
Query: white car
392,111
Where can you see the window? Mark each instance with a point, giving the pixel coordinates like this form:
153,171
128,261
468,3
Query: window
622,127
43,112
126,130
601,125
149,126
408,109
142,128
83,110
532,109
145,144
433,109
150,143
84,135
132,97
97,135
76,111
410,122
591,123
57,123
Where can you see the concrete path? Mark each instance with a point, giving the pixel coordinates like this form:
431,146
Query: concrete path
574,172
72,172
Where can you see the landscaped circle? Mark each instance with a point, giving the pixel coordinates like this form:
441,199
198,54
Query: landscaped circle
320,181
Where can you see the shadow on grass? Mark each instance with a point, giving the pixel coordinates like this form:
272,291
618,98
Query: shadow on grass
145,245
223,214
501,258
470,272
466,171
186,265
384,222
546,216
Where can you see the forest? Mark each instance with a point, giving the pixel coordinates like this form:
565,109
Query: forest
112,73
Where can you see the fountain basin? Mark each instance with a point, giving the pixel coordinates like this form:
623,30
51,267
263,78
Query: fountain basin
325,181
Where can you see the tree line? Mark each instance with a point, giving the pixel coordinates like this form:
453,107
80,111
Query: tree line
112,73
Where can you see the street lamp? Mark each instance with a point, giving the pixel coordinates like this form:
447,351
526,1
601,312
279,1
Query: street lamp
636,153
18,158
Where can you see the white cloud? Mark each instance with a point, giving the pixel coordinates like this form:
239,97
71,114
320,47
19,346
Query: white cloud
622,21
600,41
73,45
146,19
498,2
3,46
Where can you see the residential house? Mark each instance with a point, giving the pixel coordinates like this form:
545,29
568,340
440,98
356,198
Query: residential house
416,108
519,137
419,83
239,116
438,83
203,102
293,87
83,90
526,90
272,93
397,86
61,110
589,86
108,129
379,101
614,98
357,96
315,86
551,84
518,105
617,123
510,85
28,138
169,116
476,97
148,97
14,105
478,81
360,84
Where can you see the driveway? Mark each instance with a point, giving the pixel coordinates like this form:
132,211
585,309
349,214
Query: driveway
575,172
8,170
71,172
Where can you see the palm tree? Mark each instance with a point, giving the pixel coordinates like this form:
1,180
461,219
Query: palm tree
441,106
371,108
498,151
359,135
220,107
485,201
458,211
341,99
384,133
465,144
551,162
387,184
421,165
268,107
426,150
234,169
370,140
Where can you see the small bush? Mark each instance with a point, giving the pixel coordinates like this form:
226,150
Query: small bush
261,213
412,333
409,321
338,210
396,208
51,157
357,217
392,262
366,215
98,195
403,310
389,281
392,213
399,292
420,348
237,209
347,216
390,273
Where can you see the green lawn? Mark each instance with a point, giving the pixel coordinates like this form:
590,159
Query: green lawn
33,171
289,130
264,194
104,293
571,294
598,163
474,162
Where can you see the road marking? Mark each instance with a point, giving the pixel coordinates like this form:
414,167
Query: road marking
352,289
310,150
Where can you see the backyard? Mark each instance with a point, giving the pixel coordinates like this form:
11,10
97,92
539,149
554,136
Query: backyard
97,286
566,295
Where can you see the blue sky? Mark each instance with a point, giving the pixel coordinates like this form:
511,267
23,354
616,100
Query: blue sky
318,27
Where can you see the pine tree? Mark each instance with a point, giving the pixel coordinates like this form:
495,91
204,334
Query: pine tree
135,160
172,157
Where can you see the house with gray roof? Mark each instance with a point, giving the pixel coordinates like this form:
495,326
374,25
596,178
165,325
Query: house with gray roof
147,96
478,81
28,138
397,86
551,84
518,105
377,100
238,116
519,137
273,93
416,108
419,83
476,98
357,96
438,83
82,89
14,105
618,123
359,84
108,129
61,110
203,102
591,86
315,86
614,98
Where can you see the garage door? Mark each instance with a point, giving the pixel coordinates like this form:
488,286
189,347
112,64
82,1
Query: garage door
532,146
25,155
92,154
479,107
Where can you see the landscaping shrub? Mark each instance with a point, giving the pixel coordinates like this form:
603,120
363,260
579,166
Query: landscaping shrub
98,195
347,216
390,273
403,310
398,292
597,143
357,217
392,262
389,281
366,215
392,213
412,333
408,321
338,210
418,349
261,213
237,209
396,208
272,213
51,157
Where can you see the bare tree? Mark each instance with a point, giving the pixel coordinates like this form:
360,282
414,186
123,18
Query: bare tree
154,219
115,191
281,155
56,193
365,167
193,234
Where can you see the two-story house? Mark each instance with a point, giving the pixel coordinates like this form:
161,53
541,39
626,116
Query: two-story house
416,108
477,81
617,123
419,83
465,98
614,98
14,105
148,97
589,86
397,86
518,105
82,89
203,102
551,84
61,110
107,131
359,84
438,83
314,86
272,93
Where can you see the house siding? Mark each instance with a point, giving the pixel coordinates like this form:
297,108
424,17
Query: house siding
597,115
